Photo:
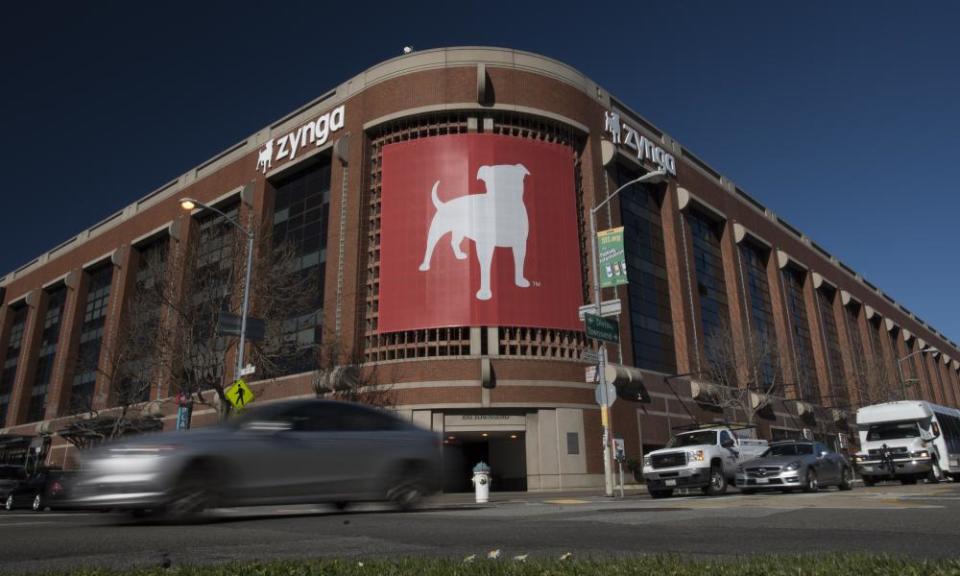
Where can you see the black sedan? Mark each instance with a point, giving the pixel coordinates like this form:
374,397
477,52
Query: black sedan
44,489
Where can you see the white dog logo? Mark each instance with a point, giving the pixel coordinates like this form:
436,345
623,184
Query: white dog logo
265,158
495,219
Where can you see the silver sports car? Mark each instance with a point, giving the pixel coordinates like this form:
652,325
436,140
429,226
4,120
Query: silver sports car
292,452
795,464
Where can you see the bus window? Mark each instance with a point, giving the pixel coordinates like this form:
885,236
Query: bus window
893,430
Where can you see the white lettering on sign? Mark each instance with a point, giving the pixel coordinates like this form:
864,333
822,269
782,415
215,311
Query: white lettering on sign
641,145
316,132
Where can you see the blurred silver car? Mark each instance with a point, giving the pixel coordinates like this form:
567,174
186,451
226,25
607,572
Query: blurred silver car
291,452
795,464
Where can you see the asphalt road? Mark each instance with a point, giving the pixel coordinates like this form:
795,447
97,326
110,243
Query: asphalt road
909,520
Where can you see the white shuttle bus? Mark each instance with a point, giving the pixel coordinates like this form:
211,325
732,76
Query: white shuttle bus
908,440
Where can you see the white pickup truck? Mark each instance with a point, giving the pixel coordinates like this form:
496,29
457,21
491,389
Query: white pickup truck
705,458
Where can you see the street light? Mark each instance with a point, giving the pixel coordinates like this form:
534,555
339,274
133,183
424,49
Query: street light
903,384
656,176
189,204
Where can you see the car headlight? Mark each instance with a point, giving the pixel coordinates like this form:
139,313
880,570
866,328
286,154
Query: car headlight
859,457
696,455
647,461
920,454
793,465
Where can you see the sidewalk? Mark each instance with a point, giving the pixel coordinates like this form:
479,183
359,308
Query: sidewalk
588,495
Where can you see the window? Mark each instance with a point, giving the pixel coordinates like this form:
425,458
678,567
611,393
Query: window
49,340
838,388
762,332
142,324
11,358
806,373
725,438
91,336
649,293
300,220
708,265
211,286
573,443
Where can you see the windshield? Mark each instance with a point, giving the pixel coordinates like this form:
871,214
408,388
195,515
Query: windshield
788,450
694,439
893,430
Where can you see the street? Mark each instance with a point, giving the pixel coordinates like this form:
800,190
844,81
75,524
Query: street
918,521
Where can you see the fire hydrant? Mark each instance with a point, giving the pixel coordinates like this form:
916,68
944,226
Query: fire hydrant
481,482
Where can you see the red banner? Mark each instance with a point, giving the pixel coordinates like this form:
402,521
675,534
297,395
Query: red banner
478,230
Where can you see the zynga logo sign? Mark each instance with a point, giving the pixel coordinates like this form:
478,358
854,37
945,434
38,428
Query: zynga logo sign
316,132
478,230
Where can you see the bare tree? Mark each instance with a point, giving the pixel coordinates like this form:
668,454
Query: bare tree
131,366
212,270
341,374
742,386
879,383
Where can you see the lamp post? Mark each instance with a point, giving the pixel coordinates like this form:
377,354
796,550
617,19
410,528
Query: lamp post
652,177
189,204
903,383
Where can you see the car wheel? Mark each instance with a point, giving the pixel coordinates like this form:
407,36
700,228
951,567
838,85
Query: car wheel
406,495
191,496
8,504
811,484
657,494
936,473
37,504
846,480
718,482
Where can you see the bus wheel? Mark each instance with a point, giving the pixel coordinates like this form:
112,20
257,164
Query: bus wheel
936,474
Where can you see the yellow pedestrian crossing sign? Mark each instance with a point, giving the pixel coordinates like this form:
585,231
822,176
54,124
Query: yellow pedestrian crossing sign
239,394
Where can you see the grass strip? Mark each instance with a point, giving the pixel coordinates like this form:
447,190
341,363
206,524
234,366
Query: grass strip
654,565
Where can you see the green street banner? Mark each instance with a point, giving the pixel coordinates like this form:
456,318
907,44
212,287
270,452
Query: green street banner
613,261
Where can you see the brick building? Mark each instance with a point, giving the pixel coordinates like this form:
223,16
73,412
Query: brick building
489,355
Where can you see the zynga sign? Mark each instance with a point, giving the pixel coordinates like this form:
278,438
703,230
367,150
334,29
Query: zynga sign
641,145
316,132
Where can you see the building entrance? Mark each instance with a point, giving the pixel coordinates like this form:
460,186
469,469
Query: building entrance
504,452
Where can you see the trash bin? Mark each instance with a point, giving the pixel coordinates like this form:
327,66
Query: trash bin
481,482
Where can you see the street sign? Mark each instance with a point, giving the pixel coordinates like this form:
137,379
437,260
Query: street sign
590,356
613,262
610,308
590,376
611,394
602,328
239,394
248,370
229,324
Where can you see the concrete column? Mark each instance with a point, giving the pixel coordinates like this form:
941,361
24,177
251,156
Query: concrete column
683,307
782,323
182,231
936,389
847,353
820,358
58,394
737,299
20,395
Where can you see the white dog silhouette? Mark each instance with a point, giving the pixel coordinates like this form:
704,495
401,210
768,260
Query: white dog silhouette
265,158
497,218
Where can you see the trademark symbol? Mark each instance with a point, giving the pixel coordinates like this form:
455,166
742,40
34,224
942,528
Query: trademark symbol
536,283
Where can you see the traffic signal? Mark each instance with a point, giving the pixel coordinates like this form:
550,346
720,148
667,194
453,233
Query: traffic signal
628,381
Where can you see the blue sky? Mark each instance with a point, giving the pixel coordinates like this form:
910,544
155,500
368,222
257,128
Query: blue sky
842,117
